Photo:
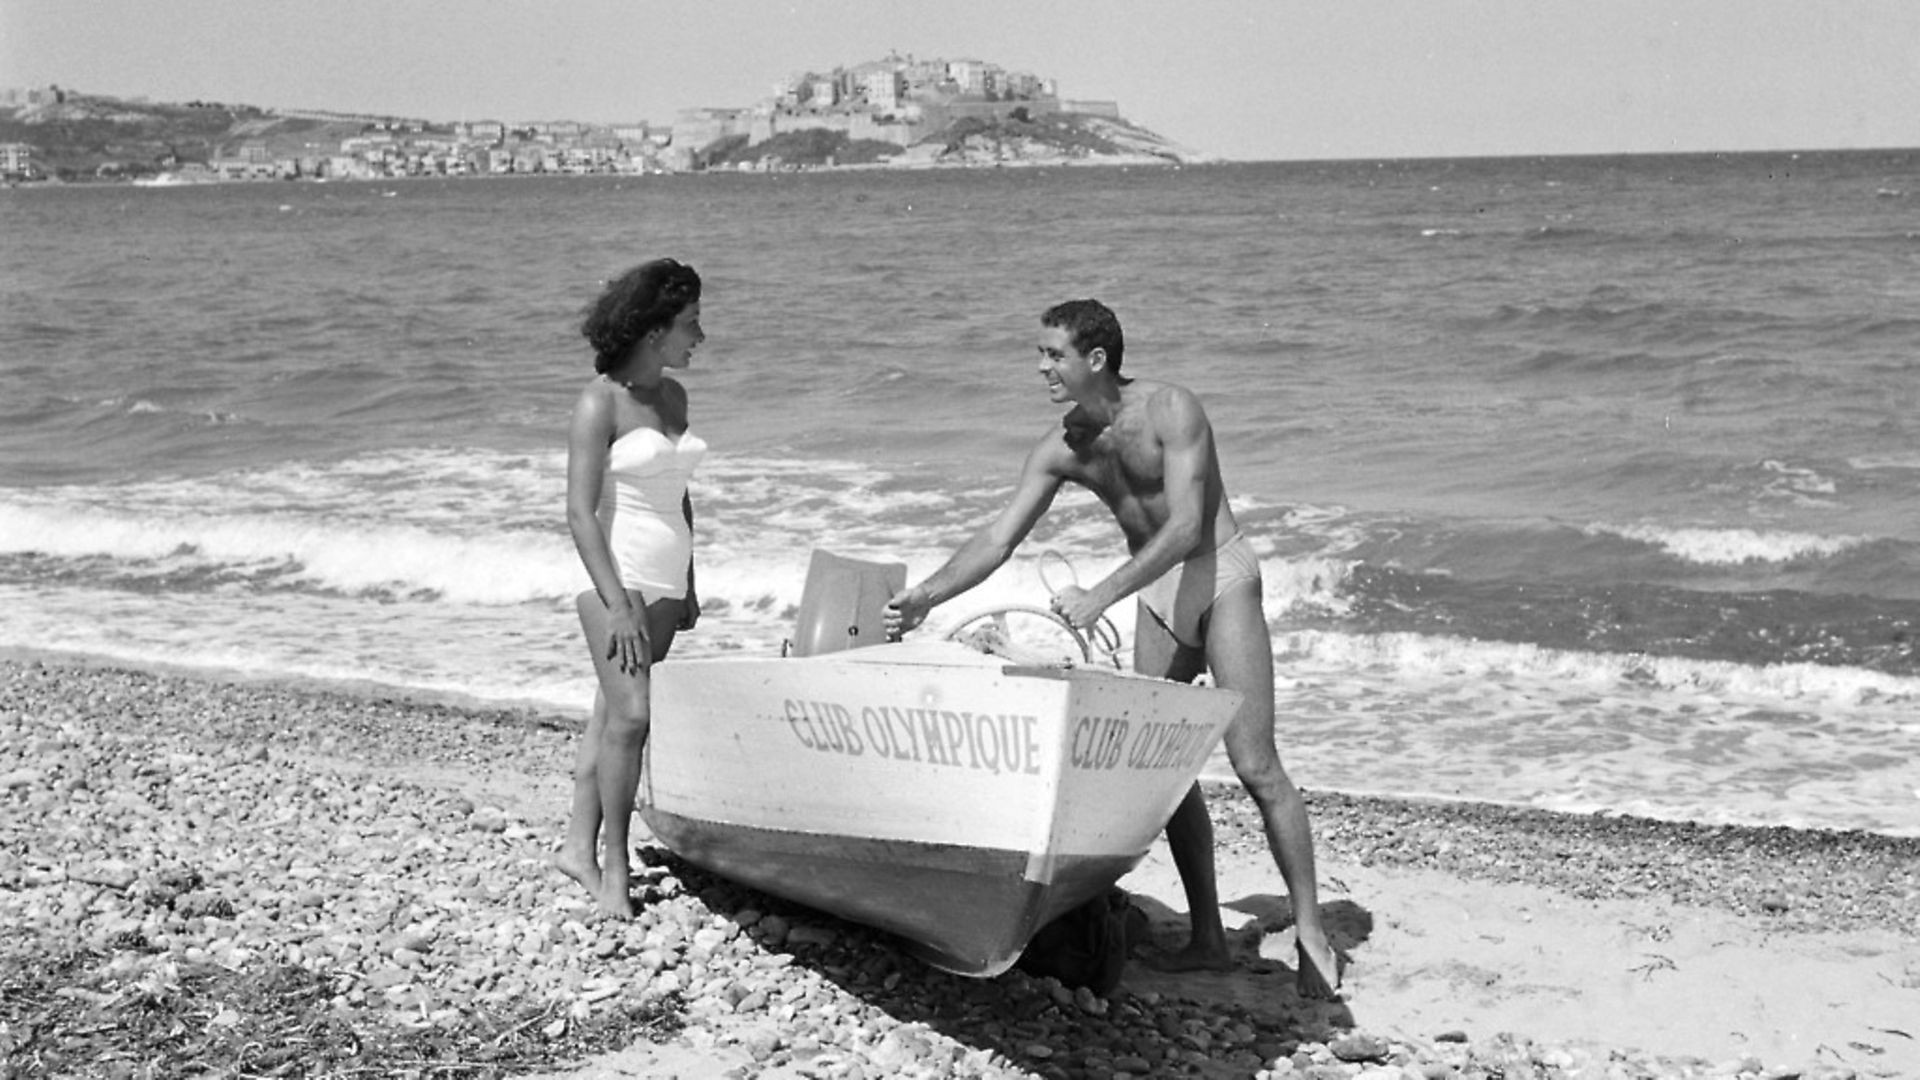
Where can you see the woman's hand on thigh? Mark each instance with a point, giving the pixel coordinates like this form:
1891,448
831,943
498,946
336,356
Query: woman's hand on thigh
628,645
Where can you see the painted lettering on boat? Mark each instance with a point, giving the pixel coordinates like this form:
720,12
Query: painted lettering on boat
991,742
1103,742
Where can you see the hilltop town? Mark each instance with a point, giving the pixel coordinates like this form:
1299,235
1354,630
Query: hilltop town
898,112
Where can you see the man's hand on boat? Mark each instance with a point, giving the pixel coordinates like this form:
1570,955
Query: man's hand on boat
1076,607
906,610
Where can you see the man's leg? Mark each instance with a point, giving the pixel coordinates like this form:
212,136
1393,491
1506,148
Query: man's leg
1190,831
1240,654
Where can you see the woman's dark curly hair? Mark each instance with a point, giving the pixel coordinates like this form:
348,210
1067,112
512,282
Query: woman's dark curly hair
645,298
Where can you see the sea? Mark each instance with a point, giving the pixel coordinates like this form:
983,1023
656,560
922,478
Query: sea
1581,483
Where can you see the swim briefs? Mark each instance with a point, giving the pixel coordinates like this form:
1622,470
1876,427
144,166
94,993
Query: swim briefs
1184,596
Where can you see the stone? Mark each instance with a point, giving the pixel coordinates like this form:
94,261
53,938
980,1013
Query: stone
387,978
1357,1047
760,1041
20,778
110,873
811,935
772,930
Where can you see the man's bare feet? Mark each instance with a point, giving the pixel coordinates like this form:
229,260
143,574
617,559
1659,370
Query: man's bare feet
1318,976
580,866
1191,958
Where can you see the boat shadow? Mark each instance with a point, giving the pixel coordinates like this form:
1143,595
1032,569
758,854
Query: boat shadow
1263,979
1221,1023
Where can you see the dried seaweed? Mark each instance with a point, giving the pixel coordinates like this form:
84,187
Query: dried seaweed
62,1016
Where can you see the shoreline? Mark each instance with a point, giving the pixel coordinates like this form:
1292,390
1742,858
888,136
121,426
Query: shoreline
544,715
398,845
12,656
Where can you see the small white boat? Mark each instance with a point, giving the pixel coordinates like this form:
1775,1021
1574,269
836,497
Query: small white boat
943,794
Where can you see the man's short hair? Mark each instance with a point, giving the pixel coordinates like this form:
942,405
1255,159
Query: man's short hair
1090,325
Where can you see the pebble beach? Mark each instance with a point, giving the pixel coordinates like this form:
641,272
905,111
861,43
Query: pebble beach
165,837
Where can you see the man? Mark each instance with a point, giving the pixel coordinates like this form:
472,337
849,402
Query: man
1146,449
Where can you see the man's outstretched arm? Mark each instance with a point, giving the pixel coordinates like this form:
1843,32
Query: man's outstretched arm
985,550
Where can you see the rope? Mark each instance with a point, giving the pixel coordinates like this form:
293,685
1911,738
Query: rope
1102,637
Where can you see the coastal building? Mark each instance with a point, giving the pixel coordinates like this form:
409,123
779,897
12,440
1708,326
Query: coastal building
481,131
16,160
970,76
1026,85
630,134
693,128
819,93
881,88
924,77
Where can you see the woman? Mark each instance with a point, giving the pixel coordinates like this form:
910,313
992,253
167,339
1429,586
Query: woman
629,456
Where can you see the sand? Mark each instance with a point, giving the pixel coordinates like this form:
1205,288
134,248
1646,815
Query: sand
1655,987
1481,940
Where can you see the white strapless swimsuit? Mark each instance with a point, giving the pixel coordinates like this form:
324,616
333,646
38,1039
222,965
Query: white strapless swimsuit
641,513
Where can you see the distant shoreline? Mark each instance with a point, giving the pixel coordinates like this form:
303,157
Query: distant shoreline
1091,161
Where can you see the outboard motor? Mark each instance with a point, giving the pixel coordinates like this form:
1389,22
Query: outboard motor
843,604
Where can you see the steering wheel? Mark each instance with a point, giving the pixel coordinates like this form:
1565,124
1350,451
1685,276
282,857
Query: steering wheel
991,631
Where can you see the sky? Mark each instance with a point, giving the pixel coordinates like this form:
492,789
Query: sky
1248,80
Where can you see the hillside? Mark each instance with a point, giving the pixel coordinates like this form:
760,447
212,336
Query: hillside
1055,139
86,136
1064,137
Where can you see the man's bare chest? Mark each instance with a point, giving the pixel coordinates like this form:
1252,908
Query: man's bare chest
1115,466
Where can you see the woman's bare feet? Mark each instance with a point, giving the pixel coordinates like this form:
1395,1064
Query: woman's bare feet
615,893
580,866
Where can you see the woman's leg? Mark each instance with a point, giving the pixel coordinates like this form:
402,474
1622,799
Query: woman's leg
623,738
579,855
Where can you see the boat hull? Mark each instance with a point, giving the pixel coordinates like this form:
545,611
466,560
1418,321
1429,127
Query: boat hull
926,790
965,910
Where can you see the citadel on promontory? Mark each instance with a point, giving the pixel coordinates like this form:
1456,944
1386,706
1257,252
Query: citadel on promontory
899,100
897,112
